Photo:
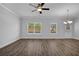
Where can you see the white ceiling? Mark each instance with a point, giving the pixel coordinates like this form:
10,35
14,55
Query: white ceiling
56,9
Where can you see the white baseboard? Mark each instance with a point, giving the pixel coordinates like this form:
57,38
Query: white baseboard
9,42
46,38
77,38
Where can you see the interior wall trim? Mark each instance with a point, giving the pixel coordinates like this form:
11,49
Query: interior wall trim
77,38
9,10
46,38
10,42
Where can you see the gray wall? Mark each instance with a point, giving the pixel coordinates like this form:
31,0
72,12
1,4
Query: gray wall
9,27
46,21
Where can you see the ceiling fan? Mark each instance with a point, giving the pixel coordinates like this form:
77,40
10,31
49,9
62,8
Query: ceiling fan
39,7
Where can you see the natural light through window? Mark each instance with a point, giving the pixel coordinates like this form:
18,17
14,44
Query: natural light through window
34,28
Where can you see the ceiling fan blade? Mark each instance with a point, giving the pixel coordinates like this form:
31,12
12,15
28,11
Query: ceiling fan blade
32,5
38,5
40,12
45,8
34,10
42,4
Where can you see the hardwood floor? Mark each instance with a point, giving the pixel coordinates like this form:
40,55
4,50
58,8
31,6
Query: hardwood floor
42,47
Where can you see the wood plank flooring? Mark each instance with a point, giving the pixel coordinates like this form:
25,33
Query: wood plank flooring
42,47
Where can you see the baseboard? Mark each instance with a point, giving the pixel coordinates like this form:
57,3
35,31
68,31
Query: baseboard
45,38
77,38
8,43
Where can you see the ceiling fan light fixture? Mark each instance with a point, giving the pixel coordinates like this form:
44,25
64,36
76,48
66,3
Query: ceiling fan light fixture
39,9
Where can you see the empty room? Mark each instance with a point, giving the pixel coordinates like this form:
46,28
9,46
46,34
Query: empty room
39,29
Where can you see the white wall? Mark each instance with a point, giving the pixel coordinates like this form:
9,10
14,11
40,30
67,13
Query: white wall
46,22
9,27
76,28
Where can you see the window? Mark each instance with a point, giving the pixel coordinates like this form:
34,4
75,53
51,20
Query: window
30,27
37,28
34,28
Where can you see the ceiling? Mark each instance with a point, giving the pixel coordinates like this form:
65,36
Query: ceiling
56,9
